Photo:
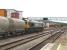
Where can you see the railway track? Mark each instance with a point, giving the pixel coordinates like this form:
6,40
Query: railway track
49,40
10,40
23,40
9,46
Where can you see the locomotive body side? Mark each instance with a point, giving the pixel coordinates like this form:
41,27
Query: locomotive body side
35,26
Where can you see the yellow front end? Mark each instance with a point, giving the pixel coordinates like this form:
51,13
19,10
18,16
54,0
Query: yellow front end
27,26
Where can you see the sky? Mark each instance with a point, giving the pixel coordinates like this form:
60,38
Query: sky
37,8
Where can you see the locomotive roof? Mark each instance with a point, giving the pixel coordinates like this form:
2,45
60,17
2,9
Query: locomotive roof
33,21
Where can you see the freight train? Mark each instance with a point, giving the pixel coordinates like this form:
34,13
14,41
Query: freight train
12,26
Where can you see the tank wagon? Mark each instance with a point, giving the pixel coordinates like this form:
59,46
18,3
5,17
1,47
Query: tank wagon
17,26
4,26
12,26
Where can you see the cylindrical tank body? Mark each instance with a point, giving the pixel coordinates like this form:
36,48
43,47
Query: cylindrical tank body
4,25
12,26
17,25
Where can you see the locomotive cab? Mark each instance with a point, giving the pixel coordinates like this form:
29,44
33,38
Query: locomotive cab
35,26
27,25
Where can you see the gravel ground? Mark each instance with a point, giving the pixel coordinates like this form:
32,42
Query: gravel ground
62,38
